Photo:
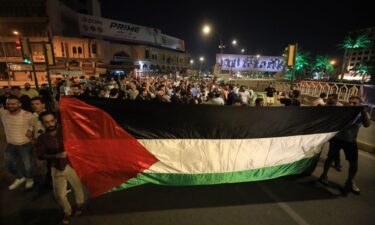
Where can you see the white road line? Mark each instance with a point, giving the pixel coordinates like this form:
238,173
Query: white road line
293,214
367,155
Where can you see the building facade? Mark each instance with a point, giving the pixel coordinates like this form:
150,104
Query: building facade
76,53
354,57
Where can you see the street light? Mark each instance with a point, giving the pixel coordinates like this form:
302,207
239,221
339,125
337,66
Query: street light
258,56
201,59
234,42
16,32
243,50
333,62
191,61
206,29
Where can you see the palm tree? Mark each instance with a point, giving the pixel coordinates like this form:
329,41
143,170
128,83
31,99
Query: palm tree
363,69
350,43
323,65
303,61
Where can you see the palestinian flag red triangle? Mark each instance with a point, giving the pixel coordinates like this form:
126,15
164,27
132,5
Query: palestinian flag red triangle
90,133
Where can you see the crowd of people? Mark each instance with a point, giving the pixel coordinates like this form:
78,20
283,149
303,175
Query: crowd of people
33,132
177,90
160,89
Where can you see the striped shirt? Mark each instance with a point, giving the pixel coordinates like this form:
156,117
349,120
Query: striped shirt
16,126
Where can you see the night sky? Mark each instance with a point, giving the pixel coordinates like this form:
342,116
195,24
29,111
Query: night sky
264,28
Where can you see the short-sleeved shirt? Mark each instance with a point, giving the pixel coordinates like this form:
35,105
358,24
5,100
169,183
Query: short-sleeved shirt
47,144
270,91
31,92
350,133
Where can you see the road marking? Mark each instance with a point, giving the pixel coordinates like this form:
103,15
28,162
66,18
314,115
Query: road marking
293,214
367,155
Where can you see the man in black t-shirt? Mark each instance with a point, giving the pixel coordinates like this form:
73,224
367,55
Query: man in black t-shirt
270,99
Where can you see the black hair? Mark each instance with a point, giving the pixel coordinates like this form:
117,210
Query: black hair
45,113
258,100
113,92
13,97
77,86
296,93
355,97
16,88
211,95
335,96
37,98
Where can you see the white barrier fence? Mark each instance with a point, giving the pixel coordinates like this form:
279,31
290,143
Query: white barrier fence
307,88
315,88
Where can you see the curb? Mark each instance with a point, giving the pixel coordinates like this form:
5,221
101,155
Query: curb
367,147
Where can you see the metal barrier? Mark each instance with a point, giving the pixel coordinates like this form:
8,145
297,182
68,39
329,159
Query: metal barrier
315,88
307,88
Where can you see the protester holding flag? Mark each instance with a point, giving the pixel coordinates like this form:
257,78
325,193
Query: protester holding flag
50,146
346,139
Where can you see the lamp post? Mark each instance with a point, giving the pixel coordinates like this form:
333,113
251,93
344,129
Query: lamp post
207,30
201,60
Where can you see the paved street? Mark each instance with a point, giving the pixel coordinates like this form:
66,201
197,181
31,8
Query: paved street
290,200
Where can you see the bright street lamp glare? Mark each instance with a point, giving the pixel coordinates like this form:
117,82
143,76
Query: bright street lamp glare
206,29
201,59
234,42
258,56
333,62
15,32
191,61
242,50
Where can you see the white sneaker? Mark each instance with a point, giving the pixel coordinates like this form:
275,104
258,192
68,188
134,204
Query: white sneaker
16,183
29,183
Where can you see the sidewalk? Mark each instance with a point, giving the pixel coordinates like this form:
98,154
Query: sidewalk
366,138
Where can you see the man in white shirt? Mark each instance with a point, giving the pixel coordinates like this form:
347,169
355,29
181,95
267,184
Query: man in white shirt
38,106
18,125
245,95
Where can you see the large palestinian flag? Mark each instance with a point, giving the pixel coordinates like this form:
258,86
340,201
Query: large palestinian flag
117,144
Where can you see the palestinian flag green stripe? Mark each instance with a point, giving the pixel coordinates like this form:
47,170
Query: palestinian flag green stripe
302,166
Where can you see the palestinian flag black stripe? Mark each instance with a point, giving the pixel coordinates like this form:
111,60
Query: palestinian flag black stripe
169,121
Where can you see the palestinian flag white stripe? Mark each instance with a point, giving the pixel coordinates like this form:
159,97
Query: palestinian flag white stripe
197,156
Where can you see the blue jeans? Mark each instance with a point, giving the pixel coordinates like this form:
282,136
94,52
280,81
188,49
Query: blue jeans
12,152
